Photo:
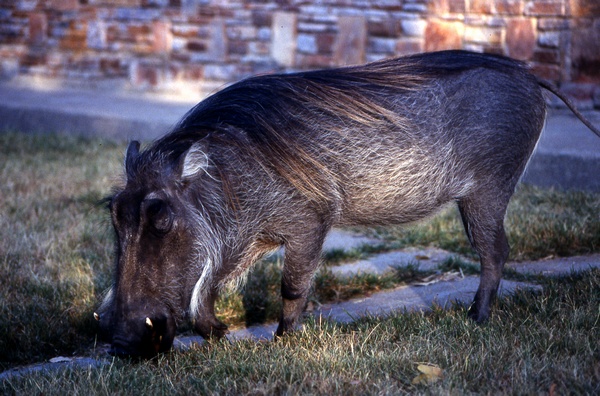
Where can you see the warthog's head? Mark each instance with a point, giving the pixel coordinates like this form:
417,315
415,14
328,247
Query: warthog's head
158,257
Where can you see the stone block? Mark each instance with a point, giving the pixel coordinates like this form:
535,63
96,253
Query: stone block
262,18
409,46
63,5
483,35
22,5
509,7
307,43
96,35
306,61
241,32
217,47
388,5
414,27
283,42
193,72
185,30
150,75
415,7
111,67
441,7
480,6
264,34
380,45
350,46
545,24
178,44
585,54
442,35
258,48
137,31
237,47
115,3
137,14
520,38
196,46
319,19
38,28
311,27
9,68
75,37
544,8
545,55
584,8
384,28
549,39
163,37
34,58
220,72
325,43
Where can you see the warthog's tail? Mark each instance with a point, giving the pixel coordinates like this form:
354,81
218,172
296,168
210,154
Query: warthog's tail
552,88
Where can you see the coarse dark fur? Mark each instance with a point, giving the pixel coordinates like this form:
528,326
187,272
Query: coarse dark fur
278,160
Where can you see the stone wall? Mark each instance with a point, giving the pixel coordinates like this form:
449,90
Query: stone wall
182,44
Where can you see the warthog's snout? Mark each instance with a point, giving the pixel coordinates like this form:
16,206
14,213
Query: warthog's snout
141,336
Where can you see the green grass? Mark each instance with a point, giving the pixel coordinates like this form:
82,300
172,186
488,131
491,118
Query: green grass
539,223
56,256
55,242
535,343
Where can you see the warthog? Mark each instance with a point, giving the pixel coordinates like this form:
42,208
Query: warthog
278,160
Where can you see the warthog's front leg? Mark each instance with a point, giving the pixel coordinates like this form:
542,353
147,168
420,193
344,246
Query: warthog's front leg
302,258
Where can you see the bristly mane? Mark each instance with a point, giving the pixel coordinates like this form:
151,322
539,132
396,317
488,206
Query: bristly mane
262,114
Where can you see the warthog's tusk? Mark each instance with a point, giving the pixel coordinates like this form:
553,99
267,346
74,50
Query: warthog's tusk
96,316
149,323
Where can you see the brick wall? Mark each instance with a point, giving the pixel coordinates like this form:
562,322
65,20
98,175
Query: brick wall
181,44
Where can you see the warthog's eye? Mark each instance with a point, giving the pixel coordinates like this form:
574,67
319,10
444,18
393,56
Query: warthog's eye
159,214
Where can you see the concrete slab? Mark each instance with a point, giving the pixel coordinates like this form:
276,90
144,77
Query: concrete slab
426,259
411,298
339,239
106,114
262,332
53,365
557,266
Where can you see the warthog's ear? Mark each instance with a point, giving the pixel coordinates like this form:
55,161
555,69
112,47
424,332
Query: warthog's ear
193,161
133,151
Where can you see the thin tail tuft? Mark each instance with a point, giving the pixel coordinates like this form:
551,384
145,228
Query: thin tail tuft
552,88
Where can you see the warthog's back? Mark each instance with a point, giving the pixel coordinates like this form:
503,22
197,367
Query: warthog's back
386,142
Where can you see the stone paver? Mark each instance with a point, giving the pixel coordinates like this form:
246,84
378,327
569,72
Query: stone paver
54,364
557,266
426,259
346,240
412,298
